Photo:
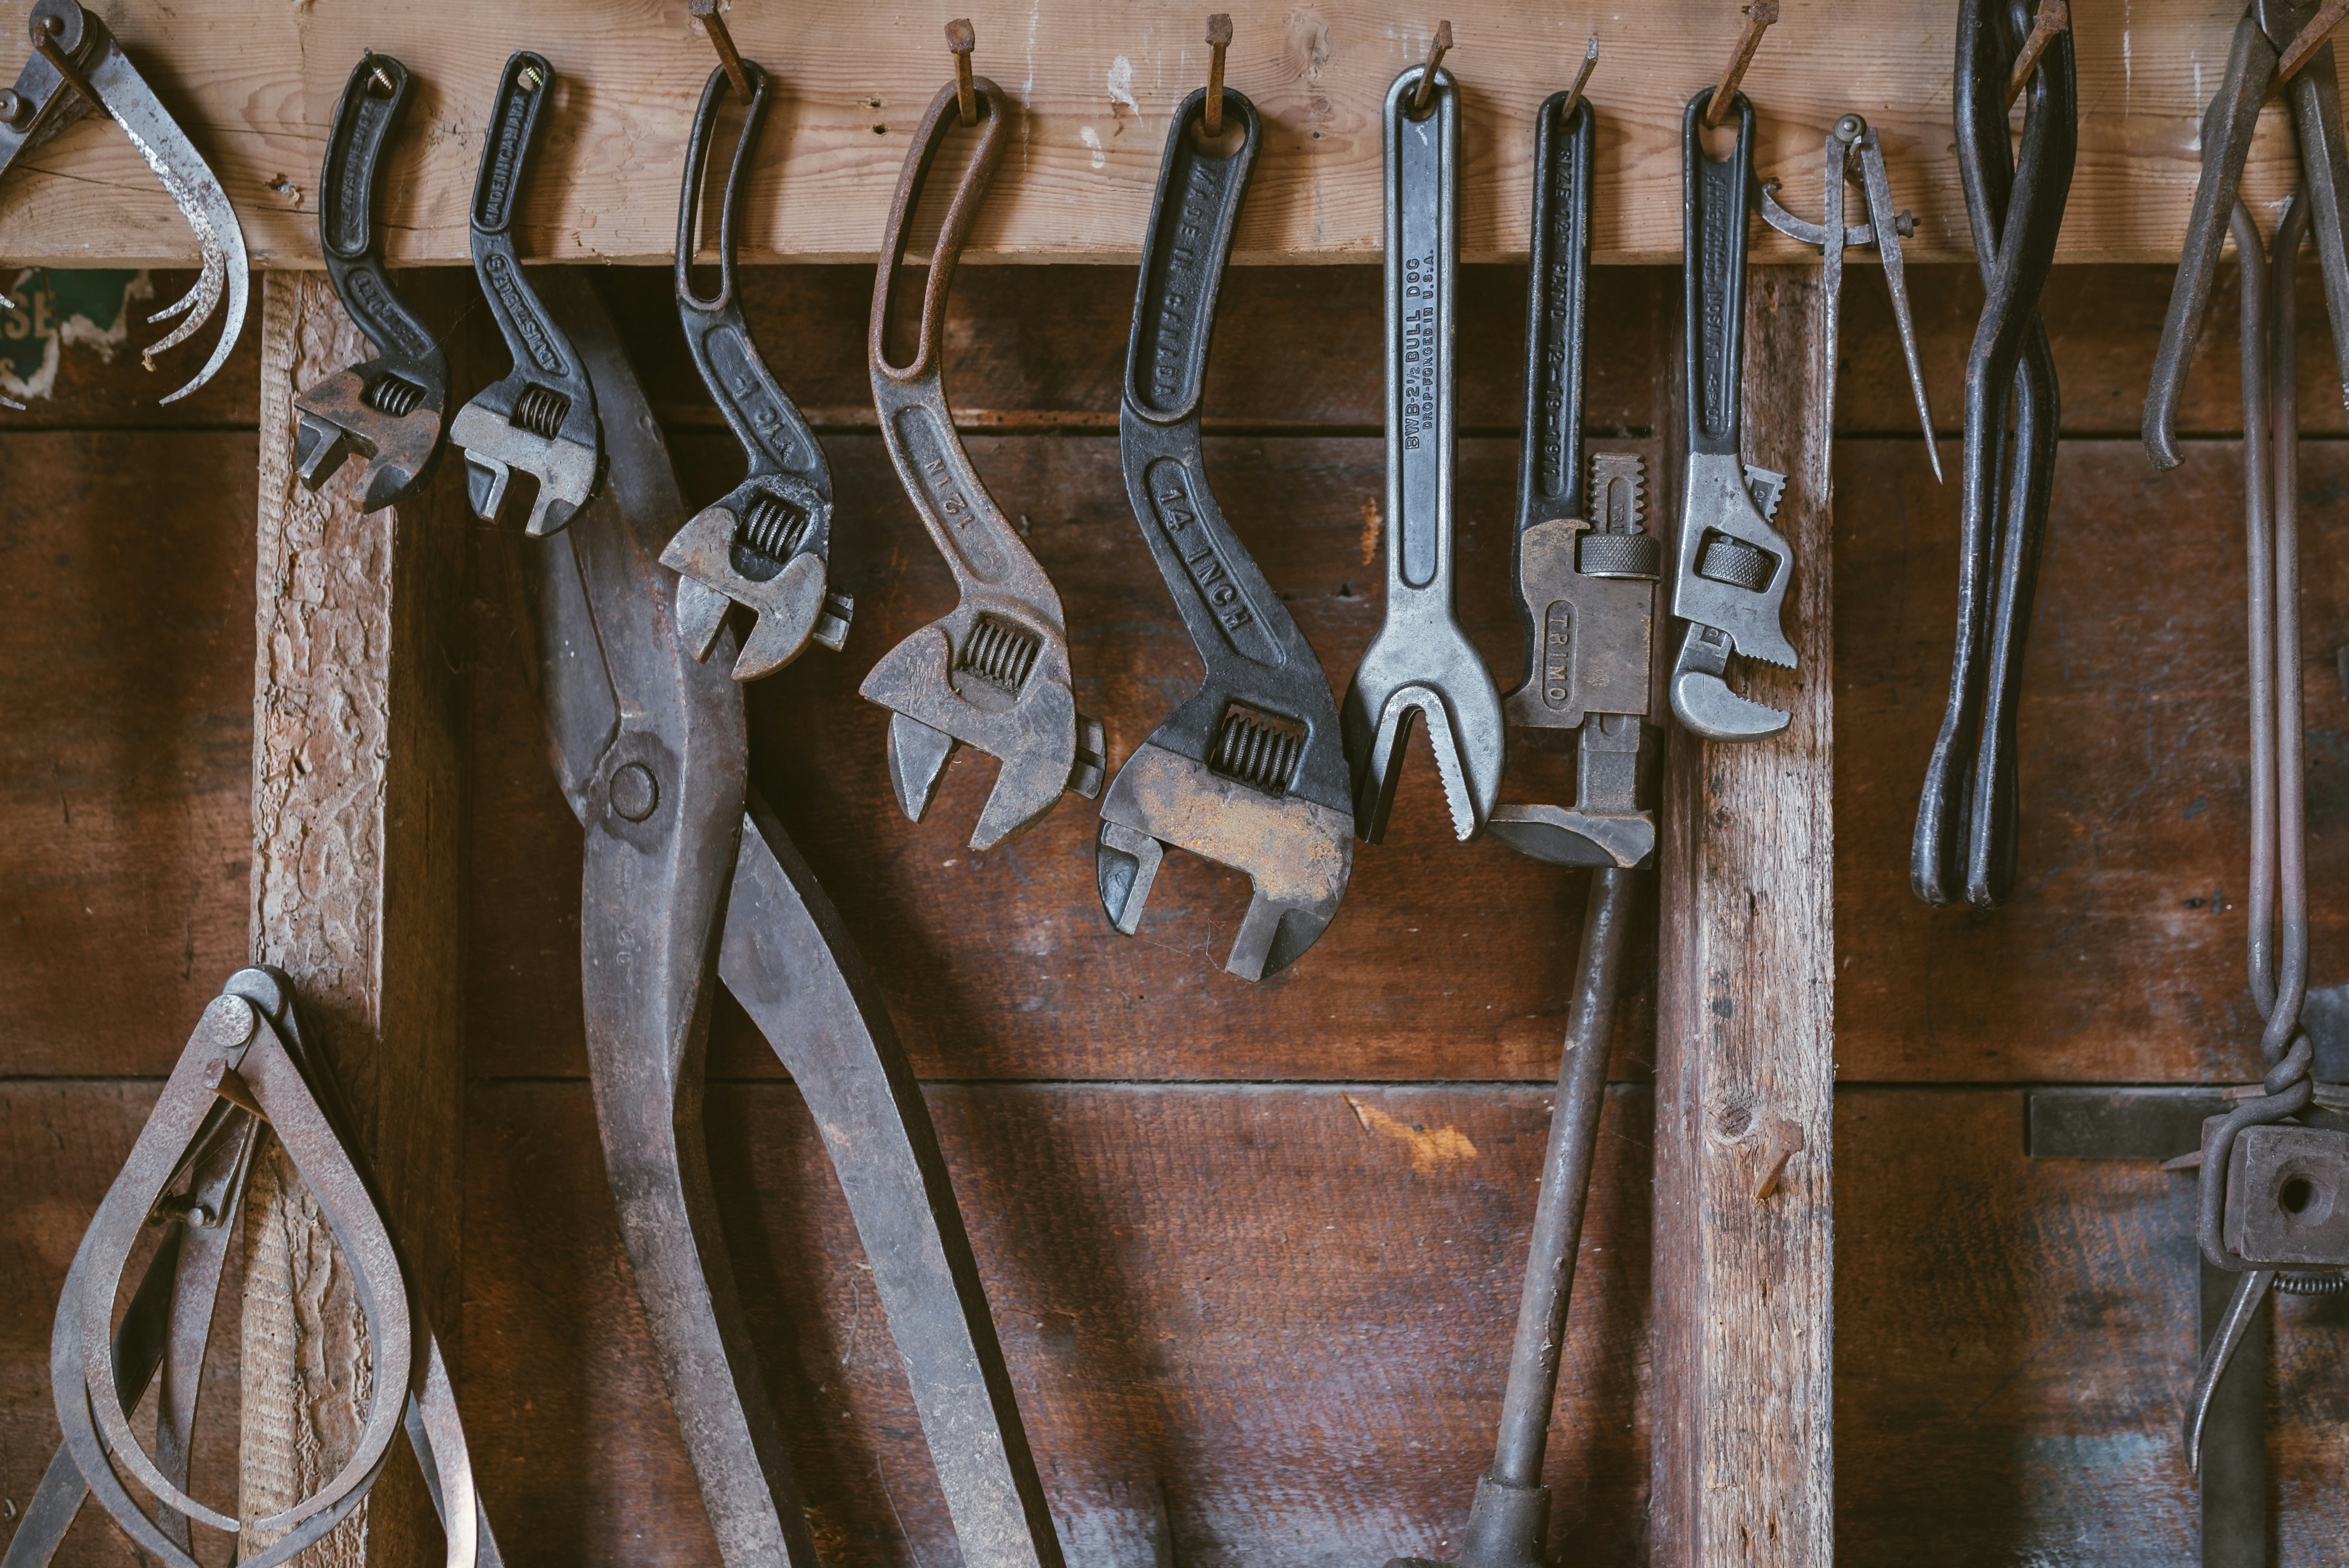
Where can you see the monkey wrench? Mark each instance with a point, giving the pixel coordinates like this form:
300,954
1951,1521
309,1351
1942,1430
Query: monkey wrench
993,674
1421,665
1248,773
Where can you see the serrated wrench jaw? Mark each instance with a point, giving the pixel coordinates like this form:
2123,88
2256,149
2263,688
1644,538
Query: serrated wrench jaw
1720,506
1465,733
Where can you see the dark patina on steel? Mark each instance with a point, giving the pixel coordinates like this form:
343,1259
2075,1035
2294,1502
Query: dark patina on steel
246,1073
1249,772
766,544
1420,666
993,672
689,877
389,411
541,418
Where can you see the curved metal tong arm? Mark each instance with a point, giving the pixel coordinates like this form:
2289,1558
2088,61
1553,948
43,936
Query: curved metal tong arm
388,410
767,542
1250,771
1967,812
993,674
47,103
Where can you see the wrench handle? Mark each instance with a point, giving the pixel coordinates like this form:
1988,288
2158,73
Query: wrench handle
517,118
375,101
773,433
1423,265
1713,234
1558,297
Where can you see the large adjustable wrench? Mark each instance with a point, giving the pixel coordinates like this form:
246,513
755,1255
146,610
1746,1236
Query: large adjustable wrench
994,672
1420,663
542,418
1729,582
1248,773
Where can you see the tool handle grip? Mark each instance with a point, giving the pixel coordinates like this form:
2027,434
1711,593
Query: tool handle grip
1183,257
517,118
374,101
1558,296
1712,231
1423,265
543,352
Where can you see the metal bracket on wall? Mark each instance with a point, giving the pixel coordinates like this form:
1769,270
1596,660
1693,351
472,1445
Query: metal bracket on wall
2159,1124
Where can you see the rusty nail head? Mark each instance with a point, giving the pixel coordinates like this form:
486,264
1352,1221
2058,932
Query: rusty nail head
1437,49
1759,17
228,1022
2055,17
1590,63
1219,39
2310,39
713,27
1785,1147
962,41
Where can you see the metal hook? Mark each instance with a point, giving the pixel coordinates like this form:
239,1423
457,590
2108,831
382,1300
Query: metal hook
962,41
1436,49
713,27
1574,93
1219,39
2055,16
44,43
1759,16
2310,39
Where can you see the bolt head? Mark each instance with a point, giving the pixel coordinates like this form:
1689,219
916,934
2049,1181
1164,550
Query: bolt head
1851,128
635,792
12,106
229,1023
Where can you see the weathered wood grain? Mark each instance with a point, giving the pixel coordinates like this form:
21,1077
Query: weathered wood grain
356,894
1745,1043
259,80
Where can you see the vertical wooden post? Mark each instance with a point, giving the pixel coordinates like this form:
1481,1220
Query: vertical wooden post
1745,1287
358,700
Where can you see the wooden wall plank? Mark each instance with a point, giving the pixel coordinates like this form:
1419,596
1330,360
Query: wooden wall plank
260,80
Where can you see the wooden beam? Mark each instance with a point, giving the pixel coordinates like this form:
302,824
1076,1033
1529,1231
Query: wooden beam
1744,1286
257,81
356,893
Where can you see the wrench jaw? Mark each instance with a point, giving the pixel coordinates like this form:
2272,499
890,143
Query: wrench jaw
764,547
1464,731
496,431
1731,586
1005,693
1297,852
390,419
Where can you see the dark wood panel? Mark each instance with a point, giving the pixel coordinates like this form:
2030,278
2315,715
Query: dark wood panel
127,663
75,341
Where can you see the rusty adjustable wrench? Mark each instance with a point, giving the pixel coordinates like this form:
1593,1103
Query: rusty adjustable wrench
993,674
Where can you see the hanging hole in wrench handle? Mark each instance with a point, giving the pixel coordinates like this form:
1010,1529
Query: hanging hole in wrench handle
1550,477
1166,365
1422,265
690,205
1714,189
954,231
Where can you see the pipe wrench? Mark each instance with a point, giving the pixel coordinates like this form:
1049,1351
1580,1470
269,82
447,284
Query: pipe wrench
76,68
542,418
388,410
689,877
766,544
1421,665
1247,772
994,672
1729,579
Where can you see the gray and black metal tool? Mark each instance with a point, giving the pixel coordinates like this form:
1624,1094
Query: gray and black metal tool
1420,666
246,1074
766,544
77,69
387,411
687,875
1248,772
541,418
1729,582
993,674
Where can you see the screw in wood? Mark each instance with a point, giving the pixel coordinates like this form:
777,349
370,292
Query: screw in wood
1437,47
1759,17
2310,39
1785,1147
2055,17
962,41
532,79
713,27
1574,93
1219,39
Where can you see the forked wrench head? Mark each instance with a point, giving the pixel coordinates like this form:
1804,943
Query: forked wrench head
382,415
754,549
1296,854
1446,684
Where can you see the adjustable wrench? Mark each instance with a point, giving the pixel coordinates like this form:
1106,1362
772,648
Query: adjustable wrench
1421,665
388,410
1730,579
766,544
1247,772
994,672
542,418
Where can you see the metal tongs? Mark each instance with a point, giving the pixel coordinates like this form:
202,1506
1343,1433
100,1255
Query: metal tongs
77,69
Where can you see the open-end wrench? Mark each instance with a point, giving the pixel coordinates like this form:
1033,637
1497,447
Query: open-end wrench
765,545
1420,663
388,410
76,68
1730,579
994,672
542,418
1248,771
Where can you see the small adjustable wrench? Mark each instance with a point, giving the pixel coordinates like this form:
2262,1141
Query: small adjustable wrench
767,542
542,418
1420,663
388,410
1247,772
994,672
1730,579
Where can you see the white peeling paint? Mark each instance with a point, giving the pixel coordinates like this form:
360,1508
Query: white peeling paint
1091,139
1121,84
